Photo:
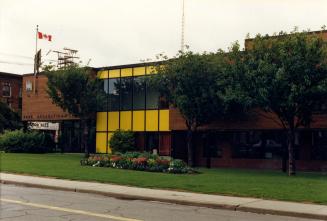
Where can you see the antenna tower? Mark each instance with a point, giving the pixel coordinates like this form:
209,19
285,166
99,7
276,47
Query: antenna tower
183,27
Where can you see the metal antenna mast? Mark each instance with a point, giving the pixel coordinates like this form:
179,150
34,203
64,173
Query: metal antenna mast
183,27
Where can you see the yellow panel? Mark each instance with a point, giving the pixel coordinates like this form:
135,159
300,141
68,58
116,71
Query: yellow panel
109,137
101,121
151,120
102,74
126,72
126,120
139,71
150,70
113,121
114,73
101,142
138,120
164,120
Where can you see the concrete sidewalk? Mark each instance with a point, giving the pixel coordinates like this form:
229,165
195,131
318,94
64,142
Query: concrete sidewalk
185,198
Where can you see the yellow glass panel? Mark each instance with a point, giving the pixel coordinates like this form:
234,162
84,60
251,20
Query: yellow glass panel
101,142
126,72
139,71
151,120
109,137
164,120
114,73
101,124
138,120
150,70
113,121
126,120
102,74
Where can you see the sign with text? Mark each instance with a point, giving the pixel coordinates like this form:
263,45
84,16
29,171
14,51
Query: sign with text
43,126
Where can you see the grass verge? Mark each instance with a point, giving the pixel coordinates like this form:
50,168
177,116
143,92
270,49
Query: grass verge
304,187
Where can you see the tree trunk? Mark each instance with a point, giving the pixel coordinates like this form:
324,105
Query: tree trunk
85,136
291,158
189,147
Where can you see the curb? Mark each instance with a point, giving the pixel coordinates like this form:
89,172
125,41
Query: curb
180,202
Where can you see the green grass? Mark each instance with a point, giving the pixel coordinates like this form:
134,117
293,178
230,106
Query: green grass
304,187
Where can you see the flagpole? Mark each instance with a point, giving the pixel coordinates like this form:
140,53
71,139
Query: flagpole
36,37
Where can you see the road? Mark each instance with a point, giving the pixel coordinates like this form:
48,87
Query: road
33,204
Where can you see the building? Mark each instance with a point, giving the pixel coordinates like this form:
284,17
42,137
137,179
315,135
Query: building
41,114
255,142
132,104
11,90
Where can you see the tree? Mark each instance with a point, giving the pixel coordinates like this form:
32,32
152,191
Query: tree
9,120
286,76
77,91
196,84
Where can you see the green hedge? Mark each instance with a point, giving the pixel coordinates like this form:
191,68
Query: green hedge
19,141
122,141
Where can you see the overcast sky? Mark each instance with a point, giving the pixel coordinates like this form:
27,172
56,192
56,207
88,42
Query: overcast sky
116,32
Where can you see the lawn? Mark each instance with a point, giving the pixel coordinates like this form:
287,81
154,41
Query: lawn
304,187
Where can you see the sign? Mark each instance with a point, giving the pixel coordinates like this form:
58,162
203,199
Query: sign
43,126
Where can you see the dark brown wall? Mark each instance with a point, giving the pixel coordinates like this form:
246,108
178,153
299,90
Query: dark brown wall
38,106
15,82
256,120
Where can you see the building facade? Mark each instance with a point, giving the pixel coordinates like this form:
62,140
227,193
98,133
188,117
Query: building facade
42,114
11,90
132,104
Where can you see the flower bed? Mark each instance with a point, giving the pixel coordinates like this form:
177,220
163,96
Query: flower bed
138,161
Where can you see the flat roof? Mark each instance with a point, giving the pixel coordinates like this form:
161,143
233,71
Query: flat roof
128,65
6,74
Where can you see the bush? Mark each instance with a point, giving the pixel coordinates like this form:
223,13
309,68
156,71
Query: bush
122,141
138,161
19,141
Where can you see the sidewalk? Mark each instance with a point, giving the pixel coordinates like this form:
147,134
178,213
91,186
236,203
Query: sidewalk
185,198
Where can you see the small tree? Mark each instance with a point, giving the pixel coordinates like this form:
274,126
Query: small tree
196,85
75,90
122,141
286,76
9,120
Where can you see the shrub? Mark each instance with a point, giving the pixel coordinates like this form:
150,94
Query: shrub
177,166
138,161
122,141
19,141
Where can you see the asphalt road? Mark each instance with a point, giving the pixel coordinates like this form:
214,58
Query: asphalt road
33,204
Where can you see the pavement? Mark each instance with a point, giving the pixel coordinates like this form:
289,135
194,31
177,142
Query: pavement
255,205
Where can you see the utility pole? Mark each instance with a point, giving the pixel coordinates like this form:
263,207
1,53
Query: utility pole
66,57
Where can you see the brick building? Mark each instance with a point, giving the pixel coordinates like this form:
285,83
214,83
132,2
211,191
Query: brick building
11,90
41,114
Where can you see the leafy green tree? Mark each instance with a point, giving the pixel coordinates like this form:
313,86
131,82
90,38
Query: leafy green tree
78,91
9,120
286,76
197,86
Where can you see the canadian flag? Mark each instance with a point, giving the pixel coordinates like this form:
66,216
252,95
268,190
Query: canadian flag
44,36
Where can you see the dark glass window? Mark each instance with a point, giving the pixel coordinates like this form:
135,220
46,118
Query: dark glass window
259,145
102,102
114,88
6,90
139,93
152,97
126,92
319,148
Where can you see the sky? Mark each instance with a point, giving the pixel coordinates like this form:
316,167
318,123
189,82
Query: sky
118,32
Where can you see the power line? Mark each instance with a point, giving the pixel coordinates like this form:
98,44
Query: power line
16,55
16,63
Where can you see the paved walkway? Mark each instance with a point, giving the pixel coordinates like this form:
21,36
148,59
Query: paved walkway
185,198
